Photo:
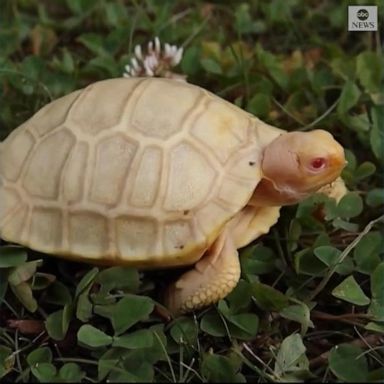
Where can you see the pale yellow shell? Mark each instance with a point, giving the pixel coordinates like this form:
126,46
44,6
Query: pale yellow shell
143,172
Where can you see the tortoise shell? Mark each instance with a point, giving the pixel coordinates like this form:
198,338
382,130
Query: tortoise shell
141,172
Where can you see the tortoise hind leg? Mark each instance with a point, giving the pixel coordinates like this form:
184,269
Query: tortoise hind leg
214,276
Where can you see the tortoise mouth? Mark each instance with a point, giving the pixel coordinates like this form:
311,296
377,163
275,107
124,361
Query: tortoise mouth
303,190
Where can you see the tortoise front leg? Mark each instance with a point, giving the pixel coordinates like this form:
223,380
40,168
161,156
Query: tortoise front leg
251,223
336,190
214,276
217,273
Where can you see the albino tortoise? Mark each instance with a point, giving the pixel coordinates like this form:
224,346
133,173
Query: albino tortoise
155,173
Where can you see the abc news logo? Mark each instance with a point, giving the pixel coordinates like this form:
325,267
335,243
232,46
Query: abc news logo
362,14
362,18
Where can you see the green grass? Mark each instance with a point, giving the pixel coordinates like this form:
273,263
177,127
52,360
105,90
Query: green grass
310,303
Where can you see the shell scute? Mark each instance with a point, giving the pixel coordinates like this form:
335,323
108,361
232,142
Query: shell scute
136,236
46,229
52,115
43,173
88,234
114,155
12,228
154,116
186,189
228,130
101,105
14,155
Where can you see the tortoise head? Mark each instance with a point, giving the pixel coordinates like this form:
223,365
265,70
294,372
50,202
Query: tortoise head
297,164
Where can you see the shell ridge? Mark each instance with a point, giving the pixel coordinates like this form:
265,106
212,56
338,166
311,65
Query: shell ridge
28,156
71,105
128,147
137,170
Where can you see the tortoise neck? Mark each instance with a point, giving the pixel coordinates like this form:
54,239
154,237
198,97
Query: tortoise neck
267,195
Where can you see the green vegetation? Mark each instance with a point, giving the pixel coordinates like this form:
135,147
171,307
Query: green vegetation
310,304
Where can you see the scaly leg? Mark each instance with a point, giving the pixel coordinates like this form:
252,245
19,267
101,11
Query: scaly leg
213,277
217,273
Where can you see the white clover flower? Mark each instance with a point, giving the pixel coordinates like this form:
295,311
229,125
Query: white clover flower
157,45
138,53
173,53
155,62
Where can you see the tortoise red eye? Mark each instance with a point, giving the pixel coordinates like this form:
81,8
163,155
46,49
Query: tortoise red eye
318,163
